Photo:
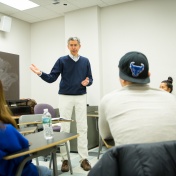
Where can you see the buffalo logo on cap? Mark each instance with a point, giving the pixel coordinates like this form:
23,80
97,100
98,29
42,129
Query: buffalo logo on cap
136,69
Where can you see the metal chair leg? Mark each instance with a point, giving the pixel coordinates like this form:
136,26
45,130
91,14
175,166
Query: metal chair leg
51,159
55,171
37,162
100,146
50,162
68,155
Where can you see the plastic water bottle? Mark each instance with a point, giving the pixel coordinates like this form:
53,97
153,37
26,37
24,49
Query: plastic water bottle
47,125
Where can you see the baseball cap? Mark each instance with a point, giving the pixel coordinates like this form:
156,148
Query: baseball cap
134,67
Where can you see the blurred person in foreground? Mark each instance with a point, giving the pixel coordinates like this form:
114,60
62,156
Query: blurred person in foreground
12,141
137,113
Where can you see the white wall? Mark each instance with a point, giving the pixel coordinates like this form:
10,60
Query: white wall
18,41
47,45
55,33
148,26
106,34
84,24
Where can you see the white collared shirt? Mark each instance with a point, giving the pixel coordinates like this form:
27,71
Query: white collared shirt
75,58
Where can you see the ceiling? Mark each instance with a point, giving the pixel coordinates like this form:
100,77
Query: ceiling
48,10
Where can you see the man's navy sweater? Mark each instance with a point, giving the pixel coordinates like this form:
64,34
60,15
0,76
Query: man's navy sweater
72,74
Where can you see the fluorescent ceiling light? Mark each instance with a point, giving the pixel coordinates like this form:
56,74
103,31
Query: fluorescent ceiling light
19,4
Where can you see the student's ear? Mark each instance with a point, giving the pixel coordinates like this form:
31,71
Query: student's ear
122,82
149,74
169,90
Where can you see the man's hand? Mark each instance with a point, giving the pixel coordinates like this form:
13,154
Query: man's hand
85,82
35,69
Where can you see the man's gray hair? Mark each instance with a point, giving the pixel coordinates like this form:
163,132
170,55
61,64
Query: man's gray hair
73,38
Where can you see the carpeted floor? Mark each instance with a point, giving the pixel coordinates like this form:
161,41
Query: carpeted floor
77,170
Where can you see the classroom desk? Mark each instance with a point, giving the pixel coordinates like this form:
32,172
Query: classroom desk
42,147
15,117
40,122
94,115
108,142
27,130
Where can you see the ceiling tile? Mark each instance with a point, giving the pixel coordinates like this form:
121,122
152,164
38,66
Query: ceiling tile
61,8
86,3
26,17
7,10
48,10
113,2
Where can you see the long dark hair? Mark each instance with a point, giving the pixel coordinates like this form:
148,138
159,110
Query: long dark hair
5,113
168,83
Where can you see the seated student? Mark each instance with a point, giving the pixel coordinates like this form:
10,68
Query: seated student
167,85
12,141
137,113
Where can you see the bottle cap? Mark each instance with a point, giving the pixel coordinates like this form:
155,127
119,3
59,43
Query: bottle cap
45,110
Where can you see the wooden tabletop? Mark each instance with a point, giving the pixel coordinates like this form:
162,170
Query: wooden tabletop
15,117
92,115
109,142
27,130
38,143
40,122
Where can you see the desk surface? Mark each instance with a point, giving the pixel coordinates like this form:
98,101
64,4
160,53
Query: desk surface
10,102
91,114
40,122
38,143
15,117
109,142
27,130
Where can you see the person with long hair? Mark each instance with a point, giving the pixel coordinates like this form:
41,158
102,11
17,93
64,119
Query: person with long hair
12,141
167,85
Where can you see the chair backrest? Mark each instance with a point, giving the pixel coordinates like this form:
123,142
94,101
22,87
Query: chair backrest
38,109
30,118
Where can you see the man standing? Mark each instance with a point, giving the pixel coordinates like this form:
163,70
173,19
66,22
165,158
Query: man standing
76,74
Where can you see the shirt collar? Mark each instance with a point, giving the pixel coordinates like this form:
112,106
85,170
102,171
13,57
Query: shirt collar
75,58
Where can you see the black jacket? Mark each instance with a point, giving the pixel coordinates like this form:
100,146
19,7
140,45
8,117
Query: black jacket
150,159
